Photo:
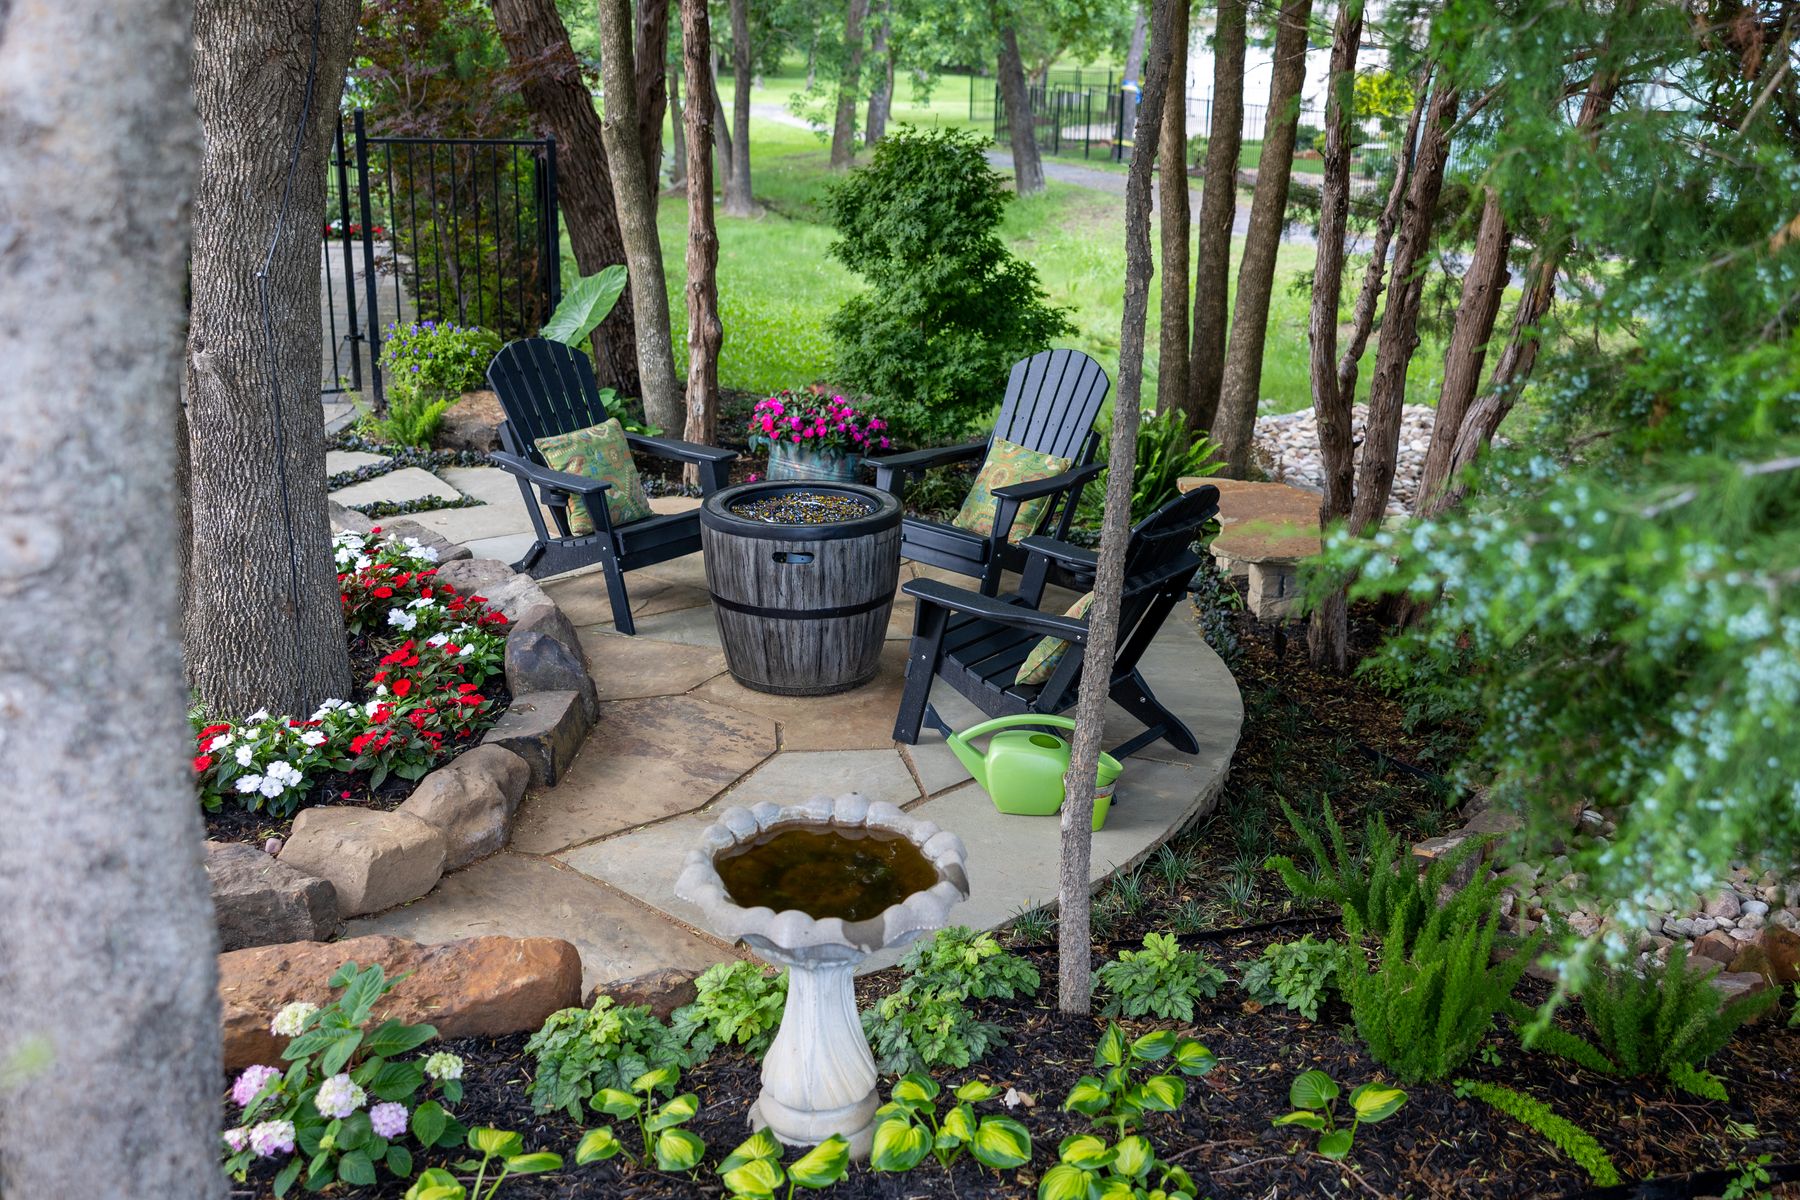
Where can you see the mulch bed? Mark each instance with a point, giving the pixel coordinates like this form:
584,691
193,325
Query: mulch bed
1305,732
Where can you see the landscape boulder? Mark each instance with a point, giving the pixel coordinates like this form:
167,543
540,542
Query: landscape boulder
472,423
348,520
259,901
545,729
537,662
471,802
661,991
549,619
476,987
374,859
470,575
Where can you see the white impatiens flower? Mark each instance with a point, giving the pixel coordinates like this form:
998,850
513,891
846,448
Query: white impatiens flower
249,783
291,1020
271,786
284,773
244,755
312,737
437,639
218,743
401,618
261,714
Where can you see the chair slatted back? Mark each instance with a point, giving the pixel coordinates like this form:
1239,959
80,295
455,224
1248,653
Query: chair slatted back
1052,401
546,388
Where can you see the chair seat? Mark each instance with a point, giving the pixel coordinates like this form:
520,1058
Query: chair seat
991,653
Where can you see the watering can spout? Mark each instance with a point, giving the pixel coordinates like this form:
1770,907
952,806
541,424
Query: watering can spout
972,760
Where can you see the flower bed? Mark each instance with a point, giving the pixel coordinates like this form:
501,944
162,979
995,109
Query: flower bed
431,657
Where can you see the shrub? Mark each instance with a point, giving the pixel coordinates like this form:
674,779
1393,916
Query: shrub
948,309
1296,975
738,1003
927,1022
1666,1022
1432,996
425,366
1161,980
580,1051
1534,1114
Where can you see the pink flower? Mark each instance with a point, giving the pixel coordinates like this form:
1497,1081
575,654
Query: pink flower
237,1138
388,1120
251,1082
271,1138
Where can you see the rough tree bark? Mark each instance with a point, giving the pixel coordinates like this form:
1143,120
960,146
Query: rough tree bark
677,131
634,198
1073,938
843,129
1134,67
1400,319
1241,386
559,100
705,333
1218,209
1172,200
881,96
1483,284
739,202
111,1039
1327,634
1028,168
263,626
721,124
652,58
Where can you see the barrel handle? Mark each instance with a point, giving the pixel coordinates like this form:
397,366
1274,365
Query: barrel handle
792,557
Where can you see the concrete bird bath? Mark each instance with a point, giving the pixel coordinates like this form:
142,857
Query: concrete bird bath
816,887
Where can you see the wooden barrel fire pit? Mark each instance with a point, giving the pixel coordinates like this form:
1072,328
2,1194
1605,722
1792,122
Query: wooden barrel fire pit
802,576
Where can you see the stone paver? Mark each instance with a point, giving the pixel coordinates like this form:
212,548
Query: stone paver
862,719
626,668
339,461
408,483
501,512
801,774
646,760
530,897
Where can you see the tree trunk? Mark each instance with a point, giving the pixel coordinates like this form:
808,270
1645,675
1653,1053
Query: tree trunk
1362,319
1483,284
739,202
1134,69
1074,942
559,100
1218,209
705,333
1328,634
881,97
1400,320
635,200
110,1046
263,626
1028,168
721,124
652,58
678,133
1241,387
1172,339
843,129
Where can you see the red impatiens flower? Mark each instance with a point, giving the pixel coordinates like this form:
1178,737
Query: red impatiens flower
213,731
376,739
382,593
466,688
203,762
402,686
379,677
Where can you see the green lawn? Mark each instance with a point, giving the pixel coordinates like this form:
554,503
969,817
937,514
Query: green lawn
777,286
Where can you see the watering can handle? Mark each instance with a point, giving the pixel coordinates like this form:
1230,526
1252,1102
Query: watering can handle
999,723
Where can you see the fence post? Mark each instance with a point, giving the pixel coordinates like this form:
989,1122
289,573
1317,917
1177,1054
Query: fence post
552,228
379,404
343,174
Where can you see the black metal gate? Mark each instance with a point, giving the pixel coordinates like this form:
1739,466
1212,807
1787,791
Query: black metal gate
464,230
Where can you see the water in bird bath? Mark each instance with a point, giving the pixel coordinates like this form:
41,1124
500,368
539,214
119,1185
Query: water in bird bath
825,871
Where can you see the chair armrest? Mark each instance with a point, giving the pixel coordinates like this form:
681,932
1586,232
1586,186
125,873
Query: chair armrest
1050,485
680,451
916,462
1074,557
557,481
944,595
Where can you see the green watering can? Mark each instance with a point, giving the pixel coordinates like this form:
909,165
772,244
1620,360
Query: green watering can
1023,769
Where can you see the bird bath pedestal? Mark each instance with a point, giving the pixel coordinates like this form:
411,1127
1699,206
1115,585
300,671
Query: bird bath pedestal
870,878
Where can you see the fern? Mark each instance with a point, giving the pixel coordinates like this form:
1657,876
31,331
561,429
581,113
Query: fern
1534,1114
1433,996
1552,1039
1666,1018
1696,1082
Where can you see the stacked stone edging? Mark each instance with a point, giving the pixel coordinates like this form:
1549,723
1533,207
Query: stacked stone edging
347,860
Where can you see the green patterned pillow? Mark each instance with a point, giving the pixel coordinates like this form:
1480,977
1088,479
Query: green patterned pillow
599,452
1049,651
1008,463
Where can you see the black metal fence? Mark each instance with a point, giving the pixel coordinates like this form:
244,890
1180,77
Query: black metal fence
434,229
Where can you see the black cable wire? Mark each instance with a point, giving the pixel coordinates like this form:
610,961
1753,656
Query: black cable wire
269,355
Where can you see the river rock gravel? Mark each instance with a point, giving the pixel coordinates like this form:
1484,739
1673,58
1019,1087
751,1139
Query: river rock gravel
1287,447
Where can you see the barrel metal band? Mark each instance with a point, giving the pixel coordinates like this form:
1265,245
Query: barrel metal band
800,614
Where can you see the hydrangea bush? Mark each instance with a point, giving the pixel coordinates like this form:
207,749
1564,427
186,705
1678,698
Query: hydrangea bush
346,1103
424,701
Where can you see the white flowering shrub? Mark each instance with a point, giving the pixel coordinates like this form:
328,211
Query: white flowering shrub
346,1104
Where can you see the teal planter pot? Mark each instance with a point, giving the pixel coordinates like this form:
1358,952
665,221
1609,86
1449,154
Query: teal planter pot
790,461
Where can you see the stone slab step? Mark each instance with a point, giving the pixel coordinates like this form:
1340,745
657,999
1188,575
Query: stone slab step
397,487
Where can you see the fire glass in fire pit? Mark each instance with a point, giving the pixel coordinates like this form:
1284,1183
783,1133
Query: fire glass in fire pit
802,508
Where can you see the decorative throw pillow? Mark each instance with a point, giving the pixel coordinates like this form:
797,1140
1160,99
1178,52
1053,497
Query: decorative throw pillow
1008,463
599,452
1049,651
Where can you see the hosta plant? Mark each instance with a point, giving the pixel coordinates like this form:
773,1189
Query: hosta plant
1161,980
1314,1097
907,1128
661,1138
1122,1094
346,1102
1089,1169
754,1172
502,1151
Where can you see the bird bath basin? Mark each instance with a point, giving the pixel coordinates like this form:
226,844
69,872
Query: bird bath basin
816,887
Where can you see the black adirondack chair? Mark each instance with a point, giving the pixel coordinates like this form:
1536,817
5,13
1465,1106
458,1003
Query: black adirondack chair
977,643
1051,402
548,388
